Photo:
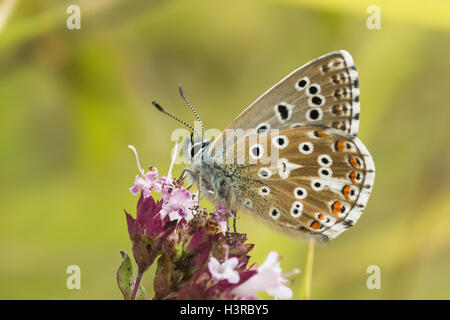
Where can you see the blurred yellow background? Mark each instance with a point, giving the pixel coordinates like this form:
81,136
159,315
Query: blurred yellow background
72,100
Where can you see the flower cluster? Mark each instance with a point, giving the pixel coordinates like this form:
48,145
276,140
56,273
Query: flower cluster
195,260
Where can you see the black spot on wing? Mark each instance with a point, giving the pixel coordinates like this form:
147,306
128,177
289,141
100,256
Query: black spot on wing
347,223
283,111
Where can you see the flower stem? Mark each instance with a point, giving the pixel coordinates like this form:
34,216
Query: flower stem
305,290
136,285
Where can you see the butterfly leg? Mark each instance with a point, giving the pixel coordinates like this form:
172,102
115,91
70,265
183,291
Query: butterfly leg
198,184
183,176
230,239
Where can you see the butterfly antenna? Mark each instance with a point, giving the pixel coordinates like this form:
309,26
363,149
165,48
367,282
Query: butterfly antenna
158,106
192,108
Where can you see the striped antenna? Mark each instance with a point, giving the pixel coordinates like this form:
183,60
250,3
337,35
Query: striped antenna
192,108
158,106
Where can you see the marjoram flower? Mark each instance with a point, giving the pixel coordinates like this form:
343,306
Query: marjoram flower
195,260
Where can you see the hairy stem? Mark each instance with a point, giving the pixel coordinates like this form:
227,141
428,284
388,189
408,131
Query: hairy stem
305,290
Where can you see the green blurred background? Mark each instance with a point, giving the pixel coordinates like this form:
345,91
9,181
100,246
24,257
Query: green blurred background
72,100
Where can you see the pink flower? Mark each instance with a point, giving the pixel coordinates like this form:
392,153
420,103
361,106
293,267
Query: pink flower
225,270
161,183
269,278
221,216
144,184
179,204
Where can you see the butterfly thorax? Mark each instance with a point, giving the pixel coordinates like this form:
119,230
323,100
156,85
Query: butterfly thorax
215,182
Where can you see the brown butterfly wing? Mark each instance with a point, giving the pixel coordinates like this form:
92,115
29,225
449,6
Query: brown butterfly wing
322,93
318,183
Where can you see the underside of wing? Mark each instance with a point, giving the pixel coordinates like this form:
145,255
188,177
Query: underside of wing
307,180
322,93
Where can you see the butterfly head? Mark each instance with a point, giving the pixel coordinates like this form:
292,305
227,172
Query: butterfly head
195,149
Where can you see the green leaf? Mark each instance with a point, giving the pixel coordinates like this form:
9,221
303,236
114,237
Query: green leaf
126,281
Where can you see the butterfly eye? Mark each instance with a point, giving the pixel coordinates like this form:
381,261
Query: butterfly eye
196,148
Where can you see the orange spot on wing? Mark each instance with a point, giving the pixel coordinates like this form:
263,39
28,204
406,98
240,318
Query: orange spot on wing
336,207
353,176
321,133
340,145
321,217
346,192
315,225
353,162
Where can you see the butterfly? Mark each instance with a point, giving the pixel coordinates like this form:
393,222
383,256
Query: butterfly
292,157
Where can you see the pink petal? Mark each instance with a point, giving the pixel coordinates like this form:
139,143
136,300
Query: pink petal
156,186
280,292
213,267
134,190
151,174
180,195
146,193
271,260
174,215
231,263
249,287
233,277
